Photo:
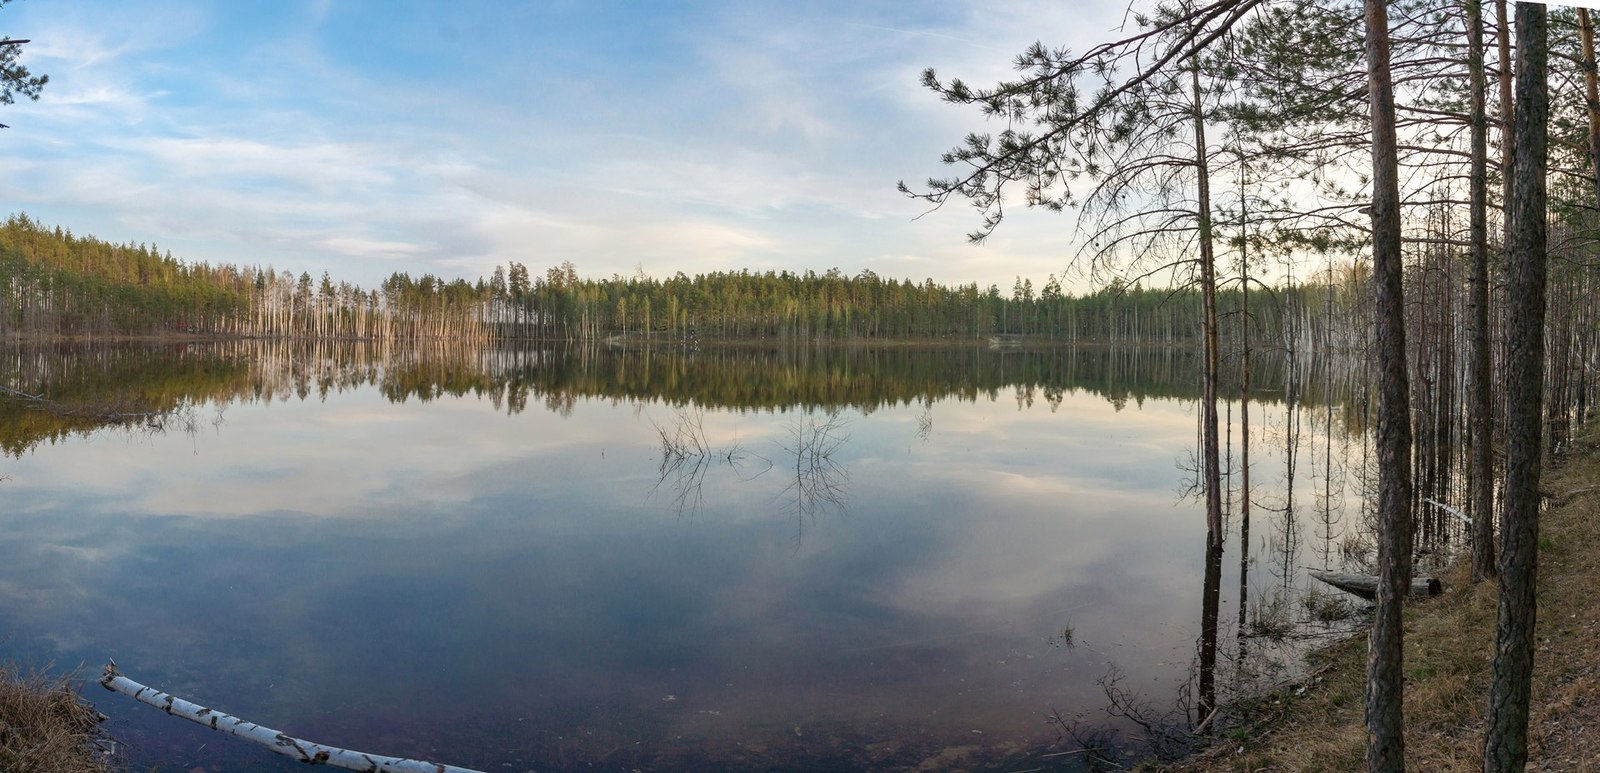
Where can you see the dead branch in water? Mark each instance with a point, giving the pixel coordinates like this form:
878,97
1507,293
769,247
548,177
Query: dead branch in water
304,751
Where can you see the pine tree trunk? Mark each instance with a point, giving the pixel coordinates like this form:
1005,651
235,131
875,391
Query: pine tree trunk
1385,672
1592,96
1482,410
1506,737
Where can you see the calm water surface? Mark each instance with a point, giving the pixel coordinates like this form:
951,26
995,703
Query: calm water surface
866,558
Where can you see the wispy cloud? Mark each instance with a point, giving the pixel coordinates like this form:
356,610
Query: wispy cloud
325,139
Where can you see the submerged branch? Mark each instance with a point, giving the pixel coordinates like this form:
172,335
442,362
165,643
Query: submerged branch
304,751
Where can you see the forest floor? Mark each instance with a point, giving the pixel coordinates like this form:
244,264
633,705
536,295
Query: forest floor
1449,645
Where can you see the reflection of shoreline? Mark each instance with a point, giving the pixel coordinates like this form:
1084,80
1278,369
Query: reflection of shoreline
743,375
743,378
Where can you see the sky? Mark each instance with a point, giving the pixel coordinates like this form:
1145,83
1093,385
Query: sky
364,138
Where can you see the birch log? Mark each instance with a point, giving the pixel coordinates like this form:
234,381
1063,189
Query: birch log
304,751
1467,519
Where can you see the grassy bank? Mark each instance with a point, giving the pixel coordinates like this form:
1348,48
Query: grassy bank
1449,647
46,727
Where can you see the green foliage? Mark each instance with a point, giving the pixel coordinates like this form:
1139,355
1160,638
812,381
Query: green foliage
15,79
54,282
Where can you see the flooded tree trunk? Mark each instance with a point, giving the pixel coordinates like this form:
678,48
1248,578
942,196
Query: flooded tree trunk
1506,737
1244,419
1212,464
1210,614
1385,672
1288,545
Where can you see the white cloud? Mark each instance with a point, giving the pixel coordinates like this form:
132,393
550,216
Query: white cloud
777,144
370,248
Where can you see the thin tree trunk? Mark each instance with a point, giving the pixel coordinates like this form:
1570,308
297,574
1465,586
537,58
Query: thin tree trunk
1591,82
1244,414
1208,289
1212,464
1482,411
1508,153
1506,737
1385,672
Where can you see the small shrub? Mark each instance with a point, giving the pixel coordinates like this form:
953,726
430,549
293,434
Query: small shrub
1328,607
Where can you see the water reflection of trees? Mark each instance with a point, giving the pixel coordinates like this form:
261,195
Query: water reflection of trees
817,480
49,395
1314,436
816,386
814,479
864,378
687,455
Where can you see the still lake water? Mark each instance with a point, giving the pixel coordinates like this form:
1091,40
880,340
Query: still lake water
876,558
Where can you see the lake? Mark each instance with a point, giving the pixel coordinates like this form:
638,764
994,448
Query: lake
748,558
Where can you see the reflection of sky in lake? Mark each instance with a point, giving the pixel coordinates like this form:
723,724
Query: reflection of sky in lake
440,580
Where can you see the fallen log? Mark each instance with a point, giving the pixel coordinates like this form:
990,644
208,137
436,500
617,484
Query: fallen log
304,751
1366,585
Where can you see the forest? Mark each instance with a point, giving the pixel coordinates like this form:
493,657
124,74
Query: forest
60,284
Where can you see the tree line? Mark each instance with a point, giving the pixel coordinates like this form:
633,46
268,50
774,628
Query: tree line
53,282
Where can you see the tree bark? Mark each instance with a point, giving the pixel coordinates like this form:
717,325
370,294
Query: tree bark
1508,153
1385,672
304,751
1506,737
1482,405
1591,83
1244,408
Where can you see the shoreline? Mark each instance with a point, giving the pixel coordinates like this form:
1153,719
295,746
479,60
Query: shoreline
1449,641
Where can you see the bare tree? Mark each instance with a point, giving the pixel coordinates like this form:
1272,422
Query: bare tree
1120,153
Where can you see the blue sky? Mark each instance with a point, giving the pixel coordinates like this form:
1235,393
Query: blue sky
362,138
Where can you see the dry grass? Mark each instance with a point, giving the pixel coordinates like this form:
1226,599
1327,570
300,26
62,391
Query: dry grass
46,727
1449,647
